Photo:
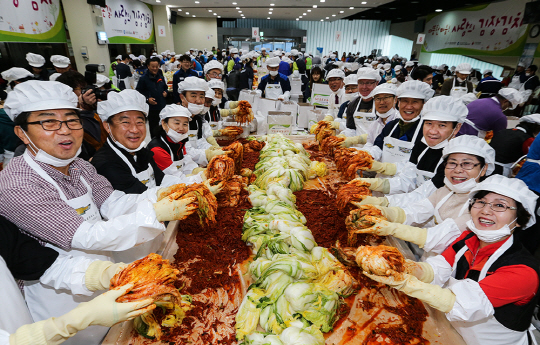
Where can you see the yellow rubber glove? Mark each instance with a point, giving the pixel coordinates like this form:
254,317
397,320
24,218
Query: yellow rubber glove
197,170
168,209
102,310
212,152
99,274
216,133
350,141
212,141
233,104
394,214
421,270
405,232
371,200
377,184
312,128
215,188
383,168
226,112
328,118
437,297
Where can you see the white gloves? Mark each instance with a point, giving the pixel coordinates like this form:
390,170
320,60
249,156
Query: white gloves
168,209
102,310
212,152
377,184
350,141
99,274
211,140
285,97
259,92
383,168
371,200
405,232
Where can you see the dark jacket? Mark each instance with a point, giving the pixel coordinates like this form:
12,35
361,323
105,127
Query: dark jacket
152,86
280,79
8,140
489,87
179,76
407,136
246,77
122,71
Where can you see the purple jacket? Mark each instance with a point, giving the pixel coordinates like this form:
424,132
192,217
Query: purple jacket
486,114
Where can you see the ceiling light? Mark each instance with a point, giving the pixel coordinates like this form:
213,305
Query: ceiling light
215,14
314,6
333,15
239,11
351,8
327,17
193,16
238,8
187,13
309,10
234,3
271,4
268,18
341,11
219,16
270,9
363,2
196,2
158,0
269,12
438,10
304,14
178,9
297,19
209,10
299,16
322,20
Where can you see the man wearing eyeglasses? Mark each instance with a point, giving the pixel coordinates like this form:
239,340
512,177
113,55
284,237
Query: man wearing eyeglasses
184,72
213,70
60,199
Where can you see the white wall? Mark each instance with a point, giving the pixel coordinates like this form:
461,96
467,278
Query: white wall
161,18
198,33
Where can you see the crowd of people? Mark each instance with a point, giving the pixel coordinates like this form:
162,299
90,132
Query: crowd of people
79,176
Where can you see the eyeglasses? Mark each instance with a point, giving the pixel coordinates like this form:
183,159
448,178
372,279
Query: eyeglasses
366,83
464,165
383,99
497,207
54,125
215,74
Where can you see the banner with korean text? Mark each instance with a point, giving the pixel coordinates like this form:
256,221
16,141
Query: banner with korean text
128,22
495,29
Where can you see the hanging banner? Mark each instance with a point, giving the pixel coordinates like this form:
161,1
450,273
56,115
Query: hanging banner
254,32
31,21
492,29
128,21
338,36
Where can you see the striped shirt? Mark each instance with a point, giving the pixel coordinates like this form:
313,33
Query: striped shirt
35,206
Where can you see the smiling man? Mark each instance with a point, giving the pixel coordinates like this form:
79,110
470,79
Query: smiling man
360,110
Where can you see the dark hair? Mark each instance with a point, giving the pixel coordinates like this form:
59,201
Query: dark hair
481,160
18,81
184,57
22,119
137,64
533,68
124,56
318,70
110,121
420,73
153,59
73,79
522,216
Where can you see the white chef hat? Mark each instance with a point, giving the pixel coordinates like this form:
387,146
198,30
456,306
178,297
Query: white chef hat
473,145
513,188
351,79
210,93
294,52
273,62
512,95
332,56
102,80
60,61
16,73
213,64
532,118
192,84
388,88
445,108
35,60
174,110
468,98
521,64
132,56
409,64
398,68
163,54
118,57
368,73
35,95
463,68
244,57
173,53
487,71
118,102
233,51
142,58
387,66
373,63
335,73
216,84
415,89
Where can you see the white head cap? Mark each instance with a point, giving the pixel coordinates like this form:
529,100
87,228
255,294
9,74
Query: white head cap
273,62
118,102
445,108
101,80
532,118
16,73
453,68
368,73
294,52
209,93
335,73
409,64
142,58
521,64
132,56
233,51
373,63
440,68
487,71
35,60
118,57
398,68
387,66
388,88
332,56
163,53
263,48
468,98
192,84
513,188
34,95
351,79
512,95
213,64
60,61
172,53
463,68
415,89
472,145
216,84
174,110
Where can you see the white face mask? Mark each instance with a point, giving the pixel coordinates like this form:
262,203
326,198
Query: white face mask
205,110
175,136
527,74
195,109
460,188
122,146
387,114
441,144
44,157
460,80
490,236
273,73
216,102
366,97
350,96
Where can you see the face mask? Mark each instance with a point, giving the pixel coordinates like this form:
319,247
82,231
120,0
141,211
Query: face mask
216,102
195,109
235,56
350,96
441,144
460,188
490,236
46,158
411,121
527,74
385,115
122,146
205,110
368,96
460,80
273,73
175,136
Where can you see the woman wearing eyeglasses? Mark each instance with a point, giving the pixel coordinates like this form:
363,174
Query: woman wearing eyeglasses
490,280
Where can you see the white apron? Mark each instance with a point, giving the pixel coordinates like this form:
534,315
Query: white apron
273,91
437,217
458,91
147,178
44,302
215,125
14,310
363,119
488,331
176,166
515,83
395,150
